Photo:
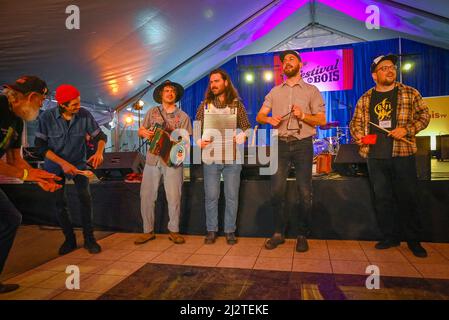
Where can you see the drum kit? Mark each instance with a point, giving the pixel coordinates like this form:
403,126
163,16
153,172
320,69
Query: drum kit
326,148
331,144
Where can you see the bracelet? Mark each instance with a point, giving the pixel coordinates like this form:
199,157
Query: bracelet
303,116
25,174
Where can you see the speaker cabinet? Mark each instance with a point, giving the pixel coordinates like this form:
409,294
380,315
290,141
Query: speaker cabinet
117,165
348,161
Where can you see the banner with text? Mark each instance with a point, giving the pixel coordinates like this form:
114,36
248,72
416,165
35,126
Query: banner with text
328,70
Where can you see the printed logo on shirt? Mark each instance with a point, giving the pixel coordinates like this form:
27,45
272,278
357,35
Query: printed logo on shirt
383,112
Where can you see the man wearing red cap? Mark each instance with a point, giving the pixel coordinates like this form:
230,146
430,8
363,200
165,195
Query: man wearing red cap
19,101
61,138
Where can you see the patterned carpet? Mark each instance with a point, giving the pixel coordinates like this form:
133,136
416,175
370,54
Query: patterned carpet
160,282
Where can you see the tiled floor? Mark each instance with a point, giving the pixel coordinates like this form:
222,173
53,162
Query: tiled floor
121,258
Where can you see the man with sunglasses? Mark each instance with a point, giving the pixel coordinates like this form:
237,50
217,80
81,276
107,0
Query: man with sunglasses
297,108
400,110
19,101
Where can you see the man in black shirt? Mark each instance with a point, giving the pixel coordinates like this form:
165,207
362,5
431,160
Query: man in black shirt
383,108
19,101
400,110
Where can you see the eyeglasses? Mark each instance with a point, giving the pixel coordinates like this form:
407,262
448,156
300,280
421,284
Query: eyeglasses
386,68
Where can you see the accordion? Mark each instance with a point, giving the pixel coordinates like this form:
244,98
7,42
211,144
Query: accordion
172,153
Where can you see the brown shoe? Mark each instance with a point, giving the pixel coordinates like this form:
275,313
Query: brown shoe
144,238
176,238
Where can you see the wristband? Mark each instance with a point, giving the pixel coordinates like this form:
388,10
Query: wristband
25,174
303,116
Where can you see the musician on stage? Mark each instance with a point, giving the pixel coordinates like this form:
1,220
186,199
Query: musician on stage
19,102
61,139
221,98
399,109
170,117
296,108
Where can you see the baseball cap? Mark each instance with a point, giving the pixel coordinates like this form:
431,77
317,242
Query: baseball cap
28,84
393,58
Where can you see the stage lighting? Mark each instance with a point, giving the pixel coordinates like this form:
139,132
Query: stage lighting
249,77
129,120
268,76
138,105
407,66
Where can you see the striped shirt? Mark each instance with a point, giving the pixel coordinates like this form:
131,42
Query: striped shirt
412,114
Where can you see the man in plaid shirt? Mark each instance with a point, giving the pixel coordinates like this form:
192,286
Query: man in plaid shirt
399,109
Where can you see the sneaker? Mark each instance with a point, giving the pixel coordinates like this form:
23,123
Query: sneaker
91,245
301,244
230,238
5,288
210,237
274,241
417,249
176,238
386,244
133,178
144,238
68,246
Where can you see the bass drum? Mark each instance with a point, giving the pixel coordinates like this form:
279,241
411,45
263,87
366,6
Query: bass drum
320,146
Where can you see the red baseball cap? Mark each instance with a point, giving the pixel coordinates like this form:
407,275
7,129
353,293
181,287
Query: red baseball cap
65,93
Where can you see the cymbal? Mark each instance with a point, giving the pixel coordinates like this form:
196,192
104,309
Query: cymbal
330,125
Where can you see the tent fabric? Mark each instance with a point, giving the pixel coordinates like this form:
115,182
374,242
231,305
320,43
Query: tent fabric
121,44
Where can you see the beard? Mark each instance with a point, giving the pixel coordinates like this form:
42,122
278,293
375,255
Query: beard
28,112
292,71
217,91
388,82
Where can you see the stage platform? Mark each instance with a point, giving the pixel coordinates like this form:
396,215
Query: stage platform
342,208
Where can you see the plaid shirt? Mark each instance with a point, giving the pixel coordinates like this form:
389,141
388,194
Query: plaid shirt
412,114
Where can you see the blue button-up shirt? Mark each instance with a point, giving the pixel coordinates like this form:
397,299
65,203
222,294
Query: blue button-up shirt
66,140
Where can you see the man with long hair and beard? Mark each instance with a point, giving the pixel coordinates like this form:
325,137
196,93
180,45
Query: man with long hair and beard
304,106
399,109
221,98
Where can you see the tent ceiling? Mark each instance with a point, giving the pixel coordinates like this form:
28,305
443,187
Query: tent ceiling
121,44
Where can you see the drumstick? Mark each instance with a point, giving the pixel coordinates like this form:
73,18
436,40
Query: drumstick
86,173
253,142
385,130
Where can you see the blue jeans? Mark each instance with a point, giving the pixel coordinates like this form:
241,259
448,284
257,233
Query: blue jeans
85,207
231,177
10,219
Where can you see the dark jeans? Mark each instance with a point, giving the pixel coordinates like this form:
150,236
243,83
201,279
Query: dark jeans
300,154
394,184
85,206
10,219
